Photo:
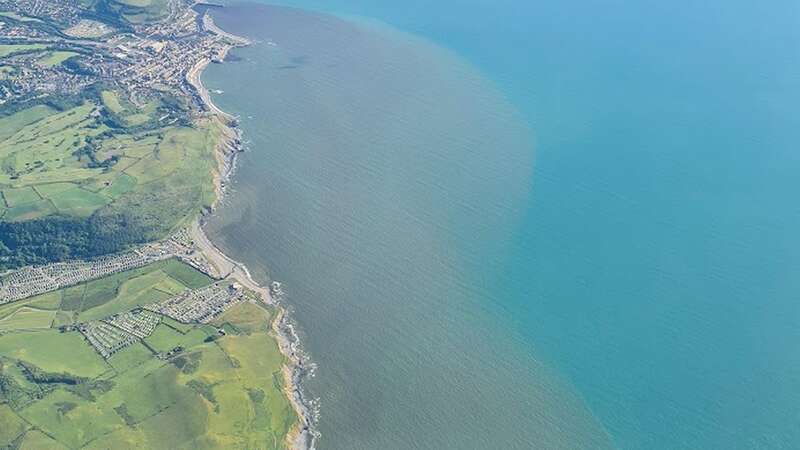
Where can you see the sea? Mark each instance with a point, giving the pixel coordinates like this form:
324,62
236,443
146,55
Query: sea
526,224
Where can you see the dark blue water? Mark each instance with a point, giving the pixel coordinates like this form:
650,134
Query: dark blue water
645,268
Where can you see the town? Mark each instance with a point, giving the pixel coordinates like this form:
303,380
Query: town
145,61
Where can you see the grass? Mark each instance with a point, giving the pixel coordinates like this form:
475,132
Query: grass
187,275
164,339
123,291
162,176
182,328
71,419
13,123
142,11
42,151
10,49
29,211
46,190
121,185
11,426
15,197
36,440
15,16
246,318
53,351
111,101
54,58
130,357
135,292
78,202
222,394
27,318
49,301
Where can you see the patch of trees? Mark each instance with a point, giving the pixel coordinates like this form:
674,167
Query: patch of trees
104,12
188,364
77,66
61,238
62,102
89,150
39,376
12,392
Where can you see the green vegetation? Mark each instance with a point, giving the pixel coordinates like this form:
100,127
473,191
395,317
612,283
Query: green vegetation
111,101
92,173
11,426
51,59
7,71
15,16
27,318
36,440
10,49
130,357
87,180
57,392
15,197
13,123
53,351
140,11
124,291
164,339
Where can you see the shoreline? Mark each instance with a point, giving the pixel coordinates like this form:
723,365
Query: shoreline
302,435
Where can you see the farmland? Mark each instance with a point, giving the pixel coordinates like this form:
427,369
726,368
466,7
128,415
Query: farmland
216,391
107,147
104,171
105,141
71,163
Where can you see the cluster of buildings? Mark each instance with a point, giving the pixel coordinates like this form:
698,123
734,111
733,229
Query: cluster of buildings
15,29
139,322
105,338
35,280
114,333
32,80
201,305
153,59
144,61
60,11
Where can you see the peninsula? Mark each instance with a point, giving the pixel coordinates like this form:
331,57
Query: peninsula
121,324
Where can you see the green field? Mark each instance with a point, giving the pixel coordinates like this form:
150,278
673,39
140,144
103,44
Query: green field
127,290
227,393
72,164
9,49
55,58
7,71
27,318
141,11
111,101
15,16
53,351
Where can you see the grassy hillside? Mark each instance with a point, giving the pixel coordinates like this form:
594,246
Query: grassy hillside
140,11
99,176
57,392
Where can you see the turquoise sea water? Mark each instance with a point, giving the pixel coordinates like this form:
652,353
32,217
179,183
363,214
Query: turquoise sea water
528,224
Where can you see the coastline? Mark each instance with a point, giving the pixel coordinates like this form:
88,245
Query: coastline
301,436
